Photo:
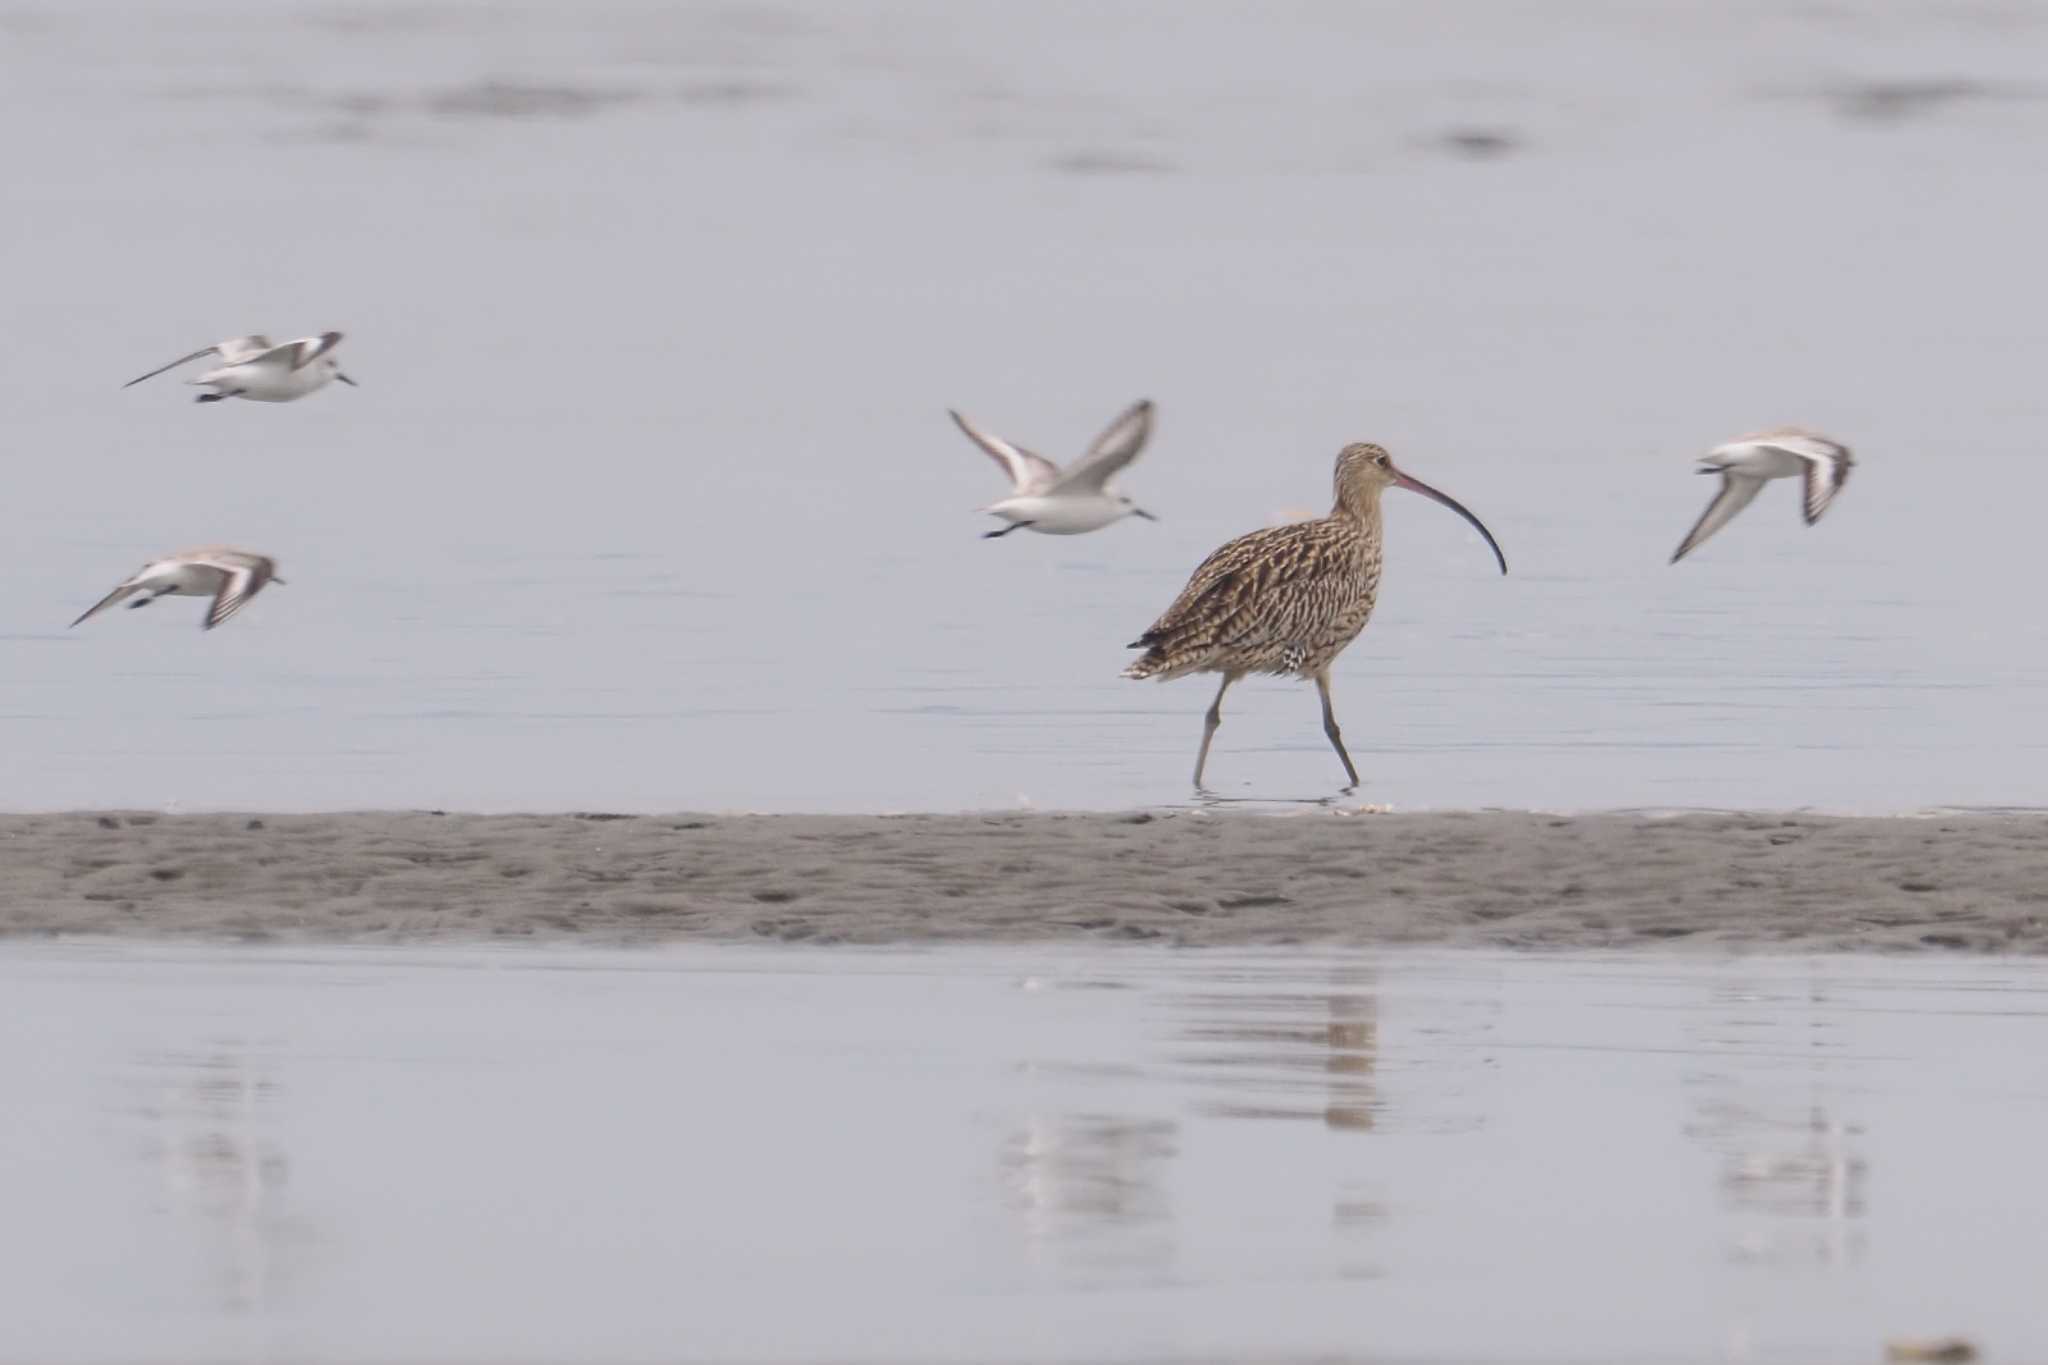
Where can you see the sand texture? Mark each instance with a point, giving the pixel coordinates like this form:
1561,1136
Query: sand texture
1975,883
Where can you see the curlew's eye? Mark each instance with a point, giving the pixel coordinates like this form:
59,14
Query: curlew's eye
1380,459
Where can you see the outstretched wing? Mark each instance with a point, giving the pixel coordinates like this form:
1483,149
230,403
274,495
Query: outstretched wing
1737,491
1827,463
243,581
237,588
296,355
1029,473
312,348
1825,475
1113,449
181,360
233,351
125,590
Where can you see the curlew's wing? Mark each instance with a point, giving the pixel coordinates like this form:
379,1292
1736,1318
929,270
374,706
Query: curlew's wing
1737,491
1248,595
1029,473
1113,449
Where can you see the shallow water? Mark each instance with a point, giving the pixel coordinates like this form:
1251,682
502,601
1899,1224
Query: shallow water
648,498
1015,1155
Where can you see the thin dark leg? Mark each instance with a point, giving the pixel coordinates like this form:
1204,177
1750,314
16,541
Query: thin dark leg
1209,724
1330,726
209,398
144,601
998,535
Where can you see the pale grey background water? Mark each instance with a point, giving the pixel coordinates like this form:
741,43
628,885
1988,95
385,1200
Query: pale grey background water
648,498
735,1154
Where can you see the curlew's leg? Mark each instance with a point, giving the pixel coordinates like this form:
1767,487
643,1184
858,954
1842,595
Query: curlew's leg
1330,725
1209,724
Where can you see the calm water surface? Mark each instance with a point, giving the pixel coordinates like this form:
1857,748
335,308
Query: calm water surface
727,1154
648,498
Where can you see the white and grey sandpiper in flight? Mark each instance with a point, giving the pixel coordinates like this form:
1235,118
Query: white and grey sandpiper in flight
1747,462
251,367
1066,502
229,577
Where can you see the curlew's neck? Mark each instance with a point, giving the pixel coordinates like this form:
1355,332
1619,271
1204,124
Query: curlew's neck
1358,500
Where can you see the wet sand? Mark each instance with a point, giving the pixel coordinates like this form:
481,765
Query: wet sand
1754,881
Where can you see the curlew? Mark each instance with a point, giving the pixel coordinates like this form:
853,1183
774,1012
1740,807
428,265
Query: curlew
1287,599
1066,502
253,368
229,577
1746,462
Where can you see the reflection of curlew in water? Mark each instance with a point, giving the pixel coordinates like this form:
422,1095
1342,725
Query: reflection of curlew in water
1354,1043
1268,1050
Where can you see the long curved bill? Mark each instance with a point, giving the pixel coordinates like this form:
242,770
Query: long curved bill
1415,485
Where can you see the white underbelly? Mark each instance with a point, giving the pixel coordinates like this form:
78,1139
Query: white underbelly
186,580
266,383
1061,516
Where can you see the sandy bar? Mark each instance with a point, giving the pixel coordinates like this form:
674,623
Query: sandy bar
1970,882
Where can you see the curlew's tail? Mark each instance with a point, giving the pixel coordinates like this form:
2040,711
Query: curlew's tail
1150,662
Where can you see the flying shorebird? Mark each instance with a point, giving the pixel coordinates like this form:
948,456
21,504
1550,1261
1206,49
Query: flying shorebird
1287,599
229,577
1066,502
1747,461
253,368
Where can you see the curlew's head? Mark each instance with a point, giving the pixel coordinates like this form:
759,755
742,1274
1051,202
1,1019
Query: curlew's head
1364,470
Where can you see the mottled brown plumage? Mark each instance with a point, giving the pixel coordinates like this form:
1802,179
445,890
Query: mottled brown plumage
1287,599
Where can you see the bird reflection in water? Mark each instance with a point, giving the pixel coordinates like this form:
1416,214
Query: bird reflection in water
1352,1103
1278,1055
211,1132
1790,1165
1091,1190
